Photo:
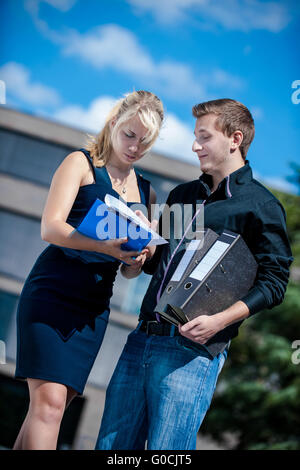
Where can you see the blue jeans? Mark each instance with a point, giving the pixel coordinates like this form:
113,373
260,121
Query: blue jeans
160,392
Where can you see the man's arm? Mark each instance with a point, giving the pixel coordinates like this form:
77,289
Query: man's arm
204,327
272,251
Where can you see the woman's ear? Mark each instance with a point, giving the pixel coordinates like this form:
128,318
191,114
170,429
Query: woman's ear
112,123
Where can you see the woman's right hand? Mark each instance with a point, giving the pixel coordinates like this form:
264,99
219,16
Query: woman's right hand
113,248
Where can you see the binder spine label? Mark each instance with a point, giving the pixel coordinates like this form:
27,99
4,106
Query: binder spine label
210,259
184,262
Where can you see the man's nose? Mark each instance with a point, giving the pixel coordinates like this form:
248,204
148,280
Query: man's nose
196,146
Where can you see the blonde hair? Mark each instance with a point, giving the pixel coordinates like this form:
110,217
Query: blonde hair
143,104
232,116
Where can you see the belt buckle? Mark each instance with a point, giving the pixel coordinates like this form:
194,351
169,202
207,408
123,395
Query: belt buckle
148,324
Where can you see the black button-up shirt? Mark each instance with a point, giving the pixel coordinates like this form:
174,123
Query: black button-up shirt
244,206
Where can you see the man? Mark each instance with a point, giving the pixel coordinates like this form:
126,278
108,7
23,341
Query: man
165,379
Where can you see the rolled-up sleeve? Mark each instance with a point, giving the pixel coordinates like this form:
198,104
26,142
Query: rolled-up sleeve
271,249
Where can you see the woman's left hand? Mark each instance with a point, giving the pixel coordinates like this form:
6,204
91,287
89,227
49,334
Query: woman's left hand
133,270
153,226
140,260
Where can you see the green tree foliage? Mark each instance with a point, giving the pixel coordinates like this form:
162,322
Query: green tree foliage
295,178
291,204
258,394
257,399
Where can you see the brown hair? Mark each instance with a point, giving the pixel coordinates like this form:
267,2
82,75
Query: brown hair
141,103
232,116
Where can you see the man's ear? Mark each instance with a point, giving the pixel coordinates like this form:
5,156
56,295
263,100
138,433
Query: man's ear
236,140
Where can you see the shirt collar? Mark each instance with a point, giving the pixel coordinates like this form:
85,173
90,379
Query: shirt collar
228,184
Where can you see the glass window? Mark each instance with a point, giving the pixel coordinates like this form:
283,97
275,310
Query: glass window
32,159
19,232
8,305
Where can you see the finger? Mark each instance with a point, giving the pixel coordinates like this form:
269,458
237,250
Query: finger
147,253
142,217
192,324
140,258
187,327
154,224
129,261
129,254
120,241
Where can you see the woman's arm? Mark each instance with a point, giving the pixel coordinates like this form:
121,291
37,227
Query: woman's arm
63,191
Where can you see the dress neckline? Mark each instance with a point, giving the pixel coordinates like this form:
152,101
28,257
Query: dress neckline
119,195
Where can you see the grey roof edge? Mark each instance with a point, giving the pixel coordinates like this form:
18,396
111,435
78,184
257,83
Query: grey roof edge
61,134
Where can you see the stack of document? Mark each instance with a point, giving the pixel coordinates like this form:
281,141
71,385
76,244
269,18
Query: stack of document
212,275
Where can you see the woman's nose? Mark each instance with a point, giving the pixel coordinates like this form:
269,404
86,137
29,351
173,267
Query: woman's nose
133,147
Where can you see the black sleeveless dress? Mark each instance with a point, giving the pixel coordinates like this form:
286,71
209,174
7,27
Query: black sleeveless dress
64,304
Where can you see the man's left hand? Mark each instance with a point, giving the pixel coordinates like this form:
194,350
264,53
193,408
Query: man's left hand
201,329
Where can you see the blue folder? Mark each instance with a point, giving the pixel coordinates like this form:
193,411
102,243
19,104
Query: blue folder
103,223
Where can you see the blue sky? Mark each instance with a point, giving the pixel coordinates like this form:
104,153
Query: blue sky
69,60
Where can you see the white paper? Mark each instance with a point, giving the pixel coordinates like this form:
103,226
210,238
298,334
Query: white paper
119,206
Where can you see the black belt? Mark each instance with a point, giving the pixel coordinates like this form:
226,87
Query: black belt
159,329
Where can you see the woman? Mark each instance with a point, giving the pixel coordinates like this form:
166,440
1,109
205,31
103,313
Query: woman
64,305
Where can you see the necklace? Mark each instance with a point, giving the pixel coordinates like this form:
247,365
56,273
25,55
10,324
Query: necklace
122,186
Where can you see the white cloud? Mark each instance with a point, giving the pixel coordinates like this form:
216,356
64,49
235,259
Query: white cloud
239,15
176,140
20,85
280,183
276,182
111,46
63,5
91,119
33,6
166,11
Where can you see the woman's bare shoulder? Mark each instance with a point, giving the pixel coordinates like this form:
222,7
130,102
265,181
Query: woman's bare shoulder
76,157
